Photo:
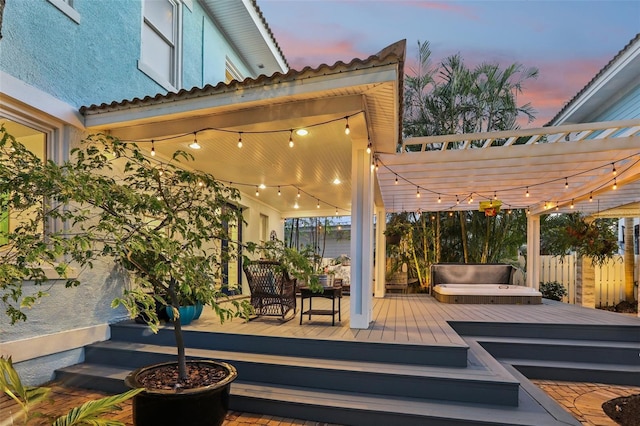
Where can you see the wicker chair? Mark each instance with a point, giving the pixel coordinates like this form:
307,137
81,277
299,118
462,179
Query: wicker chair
273,293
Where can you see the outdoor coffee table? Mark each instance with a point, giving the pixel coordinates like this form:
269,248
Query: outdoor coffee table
333,293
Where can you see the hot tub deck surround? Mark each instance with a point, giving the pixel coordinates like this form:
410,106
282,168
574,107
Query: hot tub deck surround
487,294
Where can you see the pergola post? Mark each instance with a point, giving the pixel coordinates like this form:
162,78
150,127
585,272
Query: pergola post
380,253
361,300
533,251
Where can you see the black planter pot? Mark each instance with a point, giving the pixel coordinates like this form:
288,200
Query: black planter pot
205,406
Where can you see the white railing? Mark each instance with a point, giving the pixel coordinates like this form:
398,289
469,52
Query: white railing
609,278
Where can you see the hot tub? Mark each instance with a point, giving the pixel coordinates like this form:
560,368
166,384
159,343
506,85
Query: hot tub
487,294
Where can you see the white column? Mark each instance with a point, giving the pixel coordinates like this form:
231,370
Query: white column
381,225
361,298
533,251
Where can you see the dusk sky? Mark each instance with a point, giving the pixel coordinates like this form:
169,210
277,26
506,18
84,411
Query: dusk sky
568,41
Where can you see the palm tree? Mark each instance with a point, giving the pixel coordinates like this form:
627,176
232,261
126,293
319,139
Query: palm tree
452,98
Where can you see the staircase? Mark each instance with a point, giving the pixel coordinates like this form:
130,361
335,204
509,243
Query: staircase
584,353
334,381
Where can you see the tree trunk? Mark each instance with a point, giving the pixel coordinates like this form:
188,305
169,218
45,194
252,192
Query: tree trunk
629,260
177,331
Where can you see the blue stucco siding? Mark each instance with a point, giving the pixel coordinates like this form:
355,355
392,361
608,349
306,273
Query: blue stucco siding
96,60
73,62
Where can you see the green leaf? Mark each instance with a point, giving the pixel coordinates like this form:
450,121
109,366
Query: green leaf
90,412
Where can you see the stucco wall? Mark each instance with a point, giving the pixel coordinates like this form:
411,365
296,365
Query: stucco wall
95,61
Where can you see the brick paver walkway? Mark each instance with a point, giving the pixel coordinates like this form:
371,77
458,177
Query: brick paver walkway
584,400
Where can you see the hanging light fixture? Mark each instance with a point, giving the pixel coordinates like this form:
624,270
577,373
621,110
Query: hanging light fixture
298,192
336,211
495,195
566,183
527,193
194,144
417,192
153,149
571,204
291,139
318,205
369,148
439,199
614,171
457,200
240,140
279,193
615,184
591,197
346,128
257,192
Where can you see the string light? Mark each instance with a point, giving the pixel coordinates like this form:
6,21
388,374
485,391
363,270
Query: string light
346,128
417,192
257,192
296,206
318,205
591,197
194,144
439,199
571,203
369,148
527,193
614,171
566,183
471,198
495,195
291,138
615,184
298,193
457,200
240,140
153,149
336,211
396,180
279,192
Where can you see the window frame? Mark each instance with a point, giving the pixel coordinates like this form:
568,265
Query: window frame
66,7
175,81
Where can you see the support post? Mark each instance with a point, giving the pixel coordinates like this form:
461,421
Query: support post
361,296
533,251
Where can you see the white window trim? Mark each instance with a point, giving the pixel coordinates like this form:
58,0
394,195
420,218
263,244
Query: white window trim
67,9
148,70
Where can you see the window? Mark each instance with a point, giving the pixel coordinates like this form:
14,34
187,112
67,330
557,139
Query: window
264,226
35,141
160,56
231,72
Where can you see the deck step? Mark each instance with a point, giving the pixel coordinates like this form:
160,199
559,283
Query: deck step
586,351
591,332
450,355
353,408
615,374
477,383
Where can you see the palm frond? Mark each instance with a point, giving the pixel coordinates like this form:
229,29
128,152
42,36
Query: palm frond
89,413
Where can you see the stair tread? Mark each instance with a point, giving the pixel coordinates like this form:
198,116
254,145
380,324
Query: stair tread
471,373
558,342
571,364
526,413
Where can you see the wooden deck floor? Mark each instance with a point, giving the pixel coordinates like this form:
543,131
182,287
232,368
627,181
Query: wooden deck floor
415,319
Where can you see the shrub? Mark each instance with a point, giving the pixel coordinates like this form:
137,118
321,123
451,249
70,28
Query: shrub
553,290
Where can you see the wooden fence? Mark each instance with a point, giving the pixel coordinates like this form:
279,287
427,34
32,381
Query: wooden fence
609,285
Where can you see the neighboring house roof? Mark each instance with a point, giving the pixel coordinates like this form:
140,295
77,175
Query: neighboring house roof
603,87
256,43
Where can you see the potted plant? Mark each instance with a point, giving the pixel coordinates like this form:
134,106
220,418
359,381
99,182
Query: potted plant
161,223
398,225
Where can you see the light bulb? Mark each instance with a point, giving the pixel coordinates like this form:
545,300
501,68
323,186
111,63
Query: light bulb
614,171
194,144
396,179
369,148
298,193
615,184
417,192
566,183
571,204
346,128
291,139
257,192
439,199
279,193
153,150
318,205
591,197
240,140
527,193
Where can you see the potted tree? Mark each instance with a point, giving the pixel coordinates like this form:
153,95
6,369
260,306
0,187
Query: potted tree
163,225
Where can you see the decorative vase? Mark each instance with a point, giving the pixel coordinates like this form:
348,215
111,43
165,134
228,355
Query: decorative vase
198,310
187,314
205,406
325,280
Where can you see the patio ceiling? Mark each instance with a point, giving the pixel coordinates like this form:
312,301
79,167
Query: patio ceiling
504,165
263,111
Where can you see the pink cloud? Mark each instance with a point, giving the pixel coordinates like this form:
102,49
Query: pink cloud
313,52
